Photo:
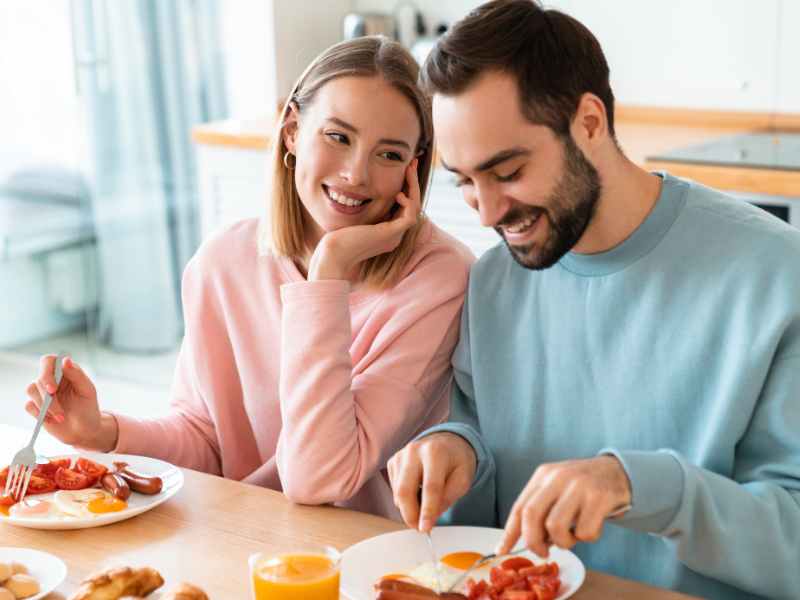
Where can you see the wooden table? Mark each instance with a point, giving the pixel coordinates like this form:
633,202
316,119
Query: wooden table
205,534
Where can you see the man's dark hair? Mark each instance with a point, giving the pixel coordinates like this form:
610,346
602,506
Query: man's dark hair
554,58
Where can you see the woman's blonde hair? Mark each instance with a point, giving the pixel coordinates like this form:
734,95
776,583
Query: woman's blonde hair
362,57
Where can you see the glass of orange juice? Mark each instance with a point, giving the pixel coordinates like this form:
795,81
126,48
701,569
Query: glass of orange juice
309,574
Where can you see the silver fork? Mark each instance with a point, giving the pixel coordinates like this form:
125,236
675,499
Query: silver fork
435,563
489,557
21,469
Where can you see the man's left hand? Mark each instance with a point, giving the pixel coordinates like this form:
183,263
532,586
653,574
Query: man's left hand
565,503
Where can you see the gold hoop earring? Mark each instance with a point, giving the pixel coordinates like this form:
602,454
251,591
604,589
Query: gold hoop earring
286,160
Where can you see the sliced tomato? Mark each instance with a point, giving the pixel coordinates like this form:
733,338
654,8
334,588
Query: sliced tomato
501,578
91,469
516,563
48,469
7,500
67,479
476,590
40,485
519,595
547,569
544,592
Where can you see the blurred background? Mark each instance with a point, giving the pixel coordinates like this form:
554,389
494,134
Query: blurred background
131,129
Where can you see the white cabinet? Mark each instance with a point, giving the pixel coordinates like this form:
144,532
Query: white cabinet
232,185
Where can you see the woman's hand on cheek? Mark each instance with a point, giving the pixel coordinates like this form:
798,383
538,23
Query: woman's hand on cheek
340,252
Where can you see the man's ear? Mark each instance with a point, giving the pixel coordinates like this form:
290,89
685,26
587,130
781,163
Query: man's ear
290,126
590,124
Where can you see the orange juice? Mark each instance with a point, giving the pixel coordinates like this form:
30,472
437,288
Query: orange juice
295,577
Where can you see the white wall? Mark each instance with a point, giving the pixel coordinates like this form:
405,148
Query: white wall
39,108
303,29
788,67
267,43
716,54
247,52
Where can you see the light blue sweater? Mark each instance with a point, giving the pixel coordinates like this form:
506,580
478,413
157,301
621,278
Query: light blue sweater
678,351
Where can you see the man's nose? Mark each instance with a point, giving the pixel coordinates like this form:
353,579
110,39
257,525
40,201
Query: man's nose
491,206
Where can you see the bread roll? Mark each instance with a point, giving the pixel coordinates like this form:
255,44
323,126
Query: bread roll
18,568
5,571
6,595
22,586
186,591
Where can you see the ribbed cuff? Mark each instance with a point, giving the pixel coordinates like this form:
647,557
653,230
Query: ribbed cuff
485,459
657,482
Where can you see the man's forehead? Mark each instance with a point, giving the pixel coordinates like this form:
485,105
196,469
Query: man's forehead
481,121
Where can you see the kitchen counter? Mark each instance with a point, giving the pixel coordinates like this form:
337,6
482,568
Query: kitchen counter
232,167
642,132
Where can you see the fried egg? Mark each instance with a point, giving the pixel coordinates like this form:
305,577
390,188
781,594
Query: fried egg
87,503
449,568
34,509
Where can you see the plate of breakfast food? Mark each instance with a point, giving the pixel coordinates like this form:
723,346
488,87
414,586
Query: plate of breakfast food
400,564
133,582
29,574
90,490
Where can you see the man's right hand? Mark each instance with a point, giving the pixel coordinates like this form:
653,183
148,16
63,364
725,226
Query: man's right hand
74,417
441,466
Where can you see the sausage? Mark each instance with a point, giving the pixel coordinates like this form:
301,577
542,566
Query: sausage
398,585
143,484
114,484
397,589
396,595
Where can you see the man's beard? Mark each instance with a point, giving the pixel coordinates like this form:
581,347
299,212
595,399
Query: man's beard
568,210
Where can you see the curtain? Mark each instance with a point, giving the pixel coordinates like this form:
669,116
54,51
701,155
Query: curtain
147,71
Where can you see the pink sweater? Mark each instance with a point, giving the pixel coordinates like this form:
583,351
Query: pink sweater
304,386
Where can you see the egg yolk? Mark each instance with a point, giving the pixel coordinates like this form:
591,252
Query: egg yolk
460,560
106,505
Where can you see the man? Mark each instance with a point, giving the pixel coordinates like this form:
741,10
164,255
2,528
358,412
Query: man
636,343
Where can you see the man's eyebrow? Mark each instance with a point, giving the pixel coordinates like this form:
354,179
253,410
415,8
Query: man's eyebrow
387,141
495,160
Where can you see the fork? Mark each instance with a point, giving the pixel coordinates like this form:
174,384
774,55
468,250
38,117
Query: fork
489,557
21,469
435,563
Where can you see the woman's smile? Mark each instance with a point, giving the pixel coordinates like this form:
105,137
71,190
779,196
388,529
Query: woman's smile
345,202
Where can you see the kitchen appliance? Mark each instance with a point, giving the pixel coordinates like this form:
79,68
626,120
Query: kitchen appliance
779,151
361,24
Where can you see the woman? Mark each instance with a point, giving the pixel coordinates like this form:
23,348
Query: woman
317,344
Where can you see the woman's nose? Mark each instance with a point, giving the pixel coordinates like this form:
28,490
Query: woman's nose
355,169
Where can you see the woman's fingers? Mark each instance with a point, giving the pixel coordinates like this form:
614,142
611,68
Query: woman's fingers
36,395
78,379
46,377
412,178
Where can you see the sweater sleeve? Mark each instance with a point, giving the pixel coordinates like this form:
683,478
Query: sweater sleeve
478,506
343,421
186,436
742,531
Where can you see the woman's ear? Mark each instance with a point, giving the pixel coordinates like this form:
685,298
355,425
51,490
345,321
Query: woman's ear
290,126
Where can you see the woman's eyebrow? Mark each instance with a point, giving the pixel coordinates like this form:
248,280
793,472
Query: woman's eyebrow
387,141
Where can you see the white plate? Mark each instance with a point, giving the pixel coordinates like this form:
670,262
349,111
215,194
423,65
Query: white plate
137,503
366,562
48,570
